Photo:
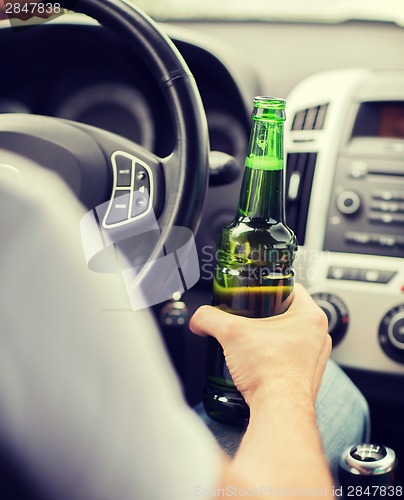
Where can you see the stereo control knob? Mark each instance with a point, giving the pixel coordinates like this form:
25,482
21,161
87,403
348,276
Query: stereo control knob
348,202
391,333
396,330
336,312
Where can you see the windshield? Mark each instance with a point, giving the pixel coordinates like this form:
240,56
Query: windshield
331,11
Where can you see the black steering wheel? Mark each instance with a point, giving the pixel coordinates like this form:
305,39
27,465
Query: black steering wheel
105,169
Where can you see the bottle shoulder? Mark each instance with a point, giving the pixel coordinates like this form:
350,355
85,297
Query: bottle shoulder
246,242
242,230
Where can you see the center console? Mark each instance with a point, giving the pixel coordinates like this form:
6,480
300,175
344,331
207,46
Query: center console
348,209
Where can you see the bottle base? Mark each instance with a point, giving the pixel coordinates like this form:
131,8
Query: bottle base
226,406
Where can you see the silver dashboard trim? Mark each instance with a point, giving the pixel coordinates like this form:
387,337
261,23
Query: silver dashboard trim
116,189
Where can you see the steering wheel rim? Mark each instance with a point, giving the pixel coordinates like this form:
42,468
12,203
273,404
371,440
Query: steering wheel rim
185,170
182,97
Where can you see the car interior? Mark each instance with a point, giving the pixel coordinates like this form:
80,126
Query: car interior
342,75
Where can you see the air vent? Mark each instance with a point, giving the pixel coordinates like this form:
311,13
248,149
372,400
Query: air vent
299,179
310,118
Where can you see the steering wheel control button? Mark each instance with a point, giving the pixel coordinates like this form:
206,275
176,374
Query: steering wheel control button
140,202
348,202
141,175
128,205
391,333
124,167
119,210
142,181
336,312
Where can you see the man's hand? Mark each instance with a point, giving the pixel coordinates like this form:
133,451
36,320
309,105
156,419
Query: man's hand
25,9
281,354
277,364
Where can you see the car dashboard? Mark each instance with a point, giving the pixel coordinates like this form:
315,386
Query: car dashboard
82,72
344,150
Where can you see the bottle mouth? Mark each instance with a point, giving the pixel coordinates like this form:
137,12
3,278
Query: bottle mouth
271,109
268,102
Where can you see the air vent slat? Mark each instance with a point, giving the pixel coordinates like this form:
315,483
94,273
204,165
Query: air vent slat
298,121
307,183
310,118
322,111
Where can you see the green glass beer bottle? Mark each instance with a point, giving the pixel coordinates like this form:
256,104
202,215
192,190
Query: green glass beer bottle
255,253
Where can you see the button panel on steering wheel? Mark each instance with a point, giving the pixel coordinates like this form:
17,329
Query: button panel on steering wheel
132,195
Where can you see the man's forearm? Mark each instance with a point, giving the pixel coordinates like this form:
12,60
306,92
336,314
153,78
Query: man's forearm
281,452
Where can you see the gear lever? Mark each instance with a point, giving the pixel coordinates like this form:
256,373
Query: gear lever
367,465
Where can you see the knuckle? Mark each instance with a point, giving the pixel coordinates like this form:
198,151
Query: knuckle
197,320
201,312
329,343
320,319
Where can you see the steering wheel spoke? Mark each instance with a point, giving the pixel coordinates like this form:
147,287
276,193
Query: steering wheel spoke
138,184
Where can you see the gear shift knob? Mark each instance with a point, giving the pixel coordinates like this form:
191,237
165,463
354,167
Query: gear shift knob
366,465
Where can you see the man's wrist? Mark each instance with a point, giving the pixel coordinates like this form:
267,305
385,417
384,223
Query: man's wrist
284,395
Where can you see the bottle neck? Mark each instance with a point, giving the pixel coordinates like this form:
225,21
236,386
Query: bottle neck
262,190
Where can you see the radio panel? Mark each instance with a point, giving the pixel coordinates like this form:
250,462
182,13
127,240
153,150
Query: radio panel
366,213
